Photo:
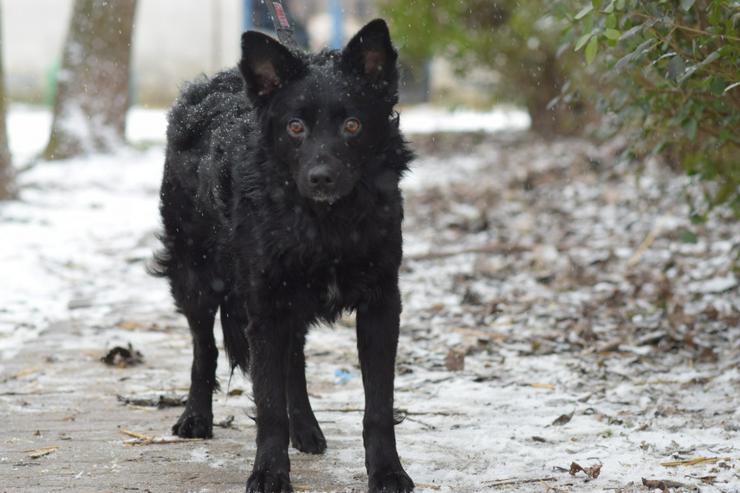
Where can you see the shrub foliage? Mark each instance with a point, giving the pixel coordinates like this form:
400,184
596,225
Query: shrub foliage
673,76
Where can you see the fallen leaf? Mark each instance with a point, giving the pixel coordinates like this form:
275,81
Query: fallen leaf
662,484
123,357
563,419
455,360
226,423
591,471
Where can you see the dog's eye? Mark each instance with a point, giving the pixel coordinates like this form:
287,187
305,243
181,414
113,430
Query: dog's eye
352,126
296,127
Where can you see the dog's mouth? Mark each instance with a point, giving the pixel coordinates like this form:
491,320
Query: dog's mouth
325,197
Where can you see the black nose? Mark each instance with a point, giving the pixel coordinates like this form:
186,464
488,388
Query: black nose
321,176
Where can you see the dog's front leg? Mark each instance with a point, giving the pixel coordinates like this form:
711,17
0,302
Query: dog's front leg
377,340
268,345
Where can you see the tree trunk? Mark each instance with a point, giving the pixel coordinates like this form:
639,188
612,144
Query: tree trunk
93,84
562,119
7,174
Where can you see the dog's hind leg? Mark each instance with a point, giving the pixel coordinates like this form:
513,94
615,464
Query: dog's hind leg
305,433
197,419
234,322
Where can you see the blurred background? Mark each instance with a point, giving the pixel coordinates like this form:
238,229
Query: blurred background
664,75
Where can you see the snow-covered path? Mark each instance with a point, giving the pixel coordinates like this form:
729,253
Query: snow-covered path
596,323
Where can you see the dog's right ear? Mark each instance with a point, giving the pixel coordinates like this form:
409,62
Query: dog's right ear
266,65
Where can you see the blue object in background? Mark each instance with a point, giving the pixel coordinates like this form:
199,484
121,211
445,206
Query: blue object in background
337,16
247,15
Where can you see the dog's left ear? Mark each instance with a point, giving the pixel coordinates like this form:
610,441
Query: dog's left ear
266,65
371,54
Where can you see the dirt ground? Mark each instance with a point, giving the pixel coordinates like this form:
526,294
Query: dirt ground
559,308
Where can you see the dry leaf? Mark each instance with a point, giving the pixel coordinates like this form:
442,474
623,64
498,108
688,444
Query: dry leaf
455,360
591,471
123,357
662,484
563,419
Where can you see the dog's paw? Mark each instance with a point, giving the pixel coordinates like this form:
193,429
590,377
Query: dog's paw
263,481
391,482
308,438
193,425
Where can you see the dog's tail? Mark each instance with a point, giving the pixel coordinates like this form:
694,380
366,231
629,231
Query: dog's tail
234,325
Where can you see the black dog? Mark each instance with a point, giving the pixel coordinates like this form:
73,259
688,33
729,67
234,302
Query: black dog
281,207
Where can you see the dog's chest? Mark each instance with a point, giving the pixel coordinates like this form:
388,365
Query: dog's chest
332,295
341,286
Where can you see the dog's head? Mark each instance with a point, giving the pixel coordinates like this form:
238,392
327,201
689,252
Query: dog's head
324,117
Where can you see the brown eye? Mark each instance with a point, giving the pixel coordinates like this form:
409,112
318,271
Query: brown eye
352,126
296,127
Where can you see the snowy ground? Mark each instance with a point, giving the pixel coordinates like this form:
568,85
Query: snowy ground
596,323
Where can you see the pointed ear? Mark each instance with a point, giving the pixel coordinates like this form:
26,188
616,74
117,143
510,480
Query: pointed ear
266,65
371,54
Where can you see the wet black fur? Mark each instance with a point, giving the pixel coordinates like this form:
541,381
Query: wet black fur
241,238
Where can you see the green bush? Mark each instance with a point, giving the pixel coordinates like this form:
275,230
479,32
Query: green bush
673,76
517,39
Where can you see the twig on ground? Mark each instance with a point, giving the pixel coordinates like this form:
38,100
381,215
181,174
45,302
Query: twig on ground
692,462
649,239
160,402
490,248
406,413
480,334
510,482
41,452
142,439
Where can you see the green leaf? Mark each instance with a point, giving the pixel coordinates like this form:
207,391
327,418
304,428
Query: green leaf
676,67
712,57
591,49
612,34
609,8
582,41
687,4
688,236
717,86
584,12
690,128
611,21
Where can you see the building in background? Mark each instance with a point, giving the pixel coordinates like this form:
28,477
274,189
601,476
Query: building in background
174,41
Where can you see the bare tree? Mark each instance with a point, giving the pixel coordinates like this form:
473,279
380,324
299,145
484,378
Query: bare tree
6,165
93,86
